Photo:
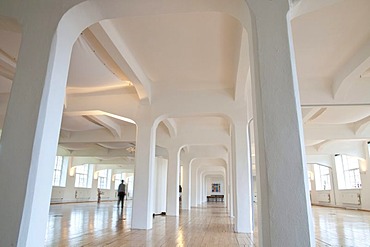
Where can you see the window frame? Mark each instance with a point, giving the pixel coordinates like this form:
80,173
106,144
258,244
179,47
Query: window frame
323,179
345,167
104,175
60,168
85,175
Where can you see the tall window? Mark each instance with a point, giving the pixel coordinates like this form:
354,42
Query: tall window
129,181
348,172
82,176
117,180
60,171
322,177
104,179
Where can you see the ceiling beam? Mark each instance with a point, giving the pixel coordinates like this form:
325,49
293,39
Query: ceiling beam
171,126
243,73
122,55
350,71
7,65
107,123
103,54
331,131
314,113
361,125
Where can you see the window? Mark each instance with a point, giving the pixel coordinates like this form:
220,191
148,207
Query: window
82,179
104,179
129,181
348,172
60,171
117,180
322,177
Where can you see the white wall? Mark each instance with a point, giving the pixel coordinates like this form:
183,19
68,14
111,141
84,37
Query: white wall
71,194
338,196
215,180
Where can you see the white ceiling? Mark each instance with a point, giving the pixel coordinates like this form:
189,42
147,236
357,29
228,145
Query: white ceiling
200,52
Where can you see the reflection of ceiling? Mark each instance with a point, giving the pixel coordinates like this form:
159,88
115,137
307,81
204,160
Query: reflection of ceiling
200,52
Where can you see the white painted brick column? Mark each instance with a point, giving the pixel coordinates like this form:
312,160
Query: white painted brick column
241,179
283,204
173,182
186,187
142,203
30,135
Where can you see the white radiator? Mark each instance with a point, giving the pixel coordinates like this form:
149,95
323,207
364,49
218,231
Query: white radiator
351,198
82,194
57,195
324,197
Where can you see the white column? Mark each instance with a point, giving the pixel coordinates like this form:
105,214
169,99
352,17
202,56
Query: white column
283,202
30,136
142,203
173,182
160,185
194,184
185,203
231,187
241,178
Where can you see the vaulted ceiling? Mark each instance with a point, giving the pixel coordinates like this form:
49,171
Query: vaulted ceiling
115,62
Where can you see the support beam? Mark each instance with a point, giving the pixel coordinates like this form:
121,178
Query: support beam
279,132
242,74
127,61
142,204
103,54
314,113
171,126
173,182
107,123
361,125
351,71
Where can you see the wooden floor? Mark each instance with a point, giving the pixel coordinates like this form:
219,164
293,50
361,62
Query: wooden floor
91,224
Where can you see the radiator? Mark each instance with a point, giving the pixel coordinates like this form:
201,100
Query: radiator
82,194
324,197
351,198
57,195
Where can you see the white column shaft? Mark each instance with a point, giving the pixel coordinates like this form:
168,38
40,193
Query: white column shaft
173,183
160,180
142,204
281,171
185,203
242,179
30,136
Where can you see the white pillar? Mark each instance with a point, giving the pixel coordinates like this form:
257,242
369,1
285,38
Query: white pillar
186,187
283,202
231,187
142,203
194,184
160,182
30,136
173,182
241,178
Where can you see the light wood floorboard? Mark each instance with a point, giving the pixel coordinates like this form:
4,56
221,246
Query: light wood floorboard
91,224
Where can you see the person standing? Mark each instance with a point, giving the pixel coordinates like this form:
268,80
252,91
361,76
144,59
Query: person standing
121,193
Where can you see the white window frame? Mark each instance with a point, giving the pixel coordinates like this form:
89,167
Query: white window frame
83,176
60,171
322,177
104,178
348,172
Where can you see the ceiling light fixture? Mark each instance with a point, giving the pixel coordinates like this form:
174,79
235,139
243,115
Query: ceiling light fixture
131,150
